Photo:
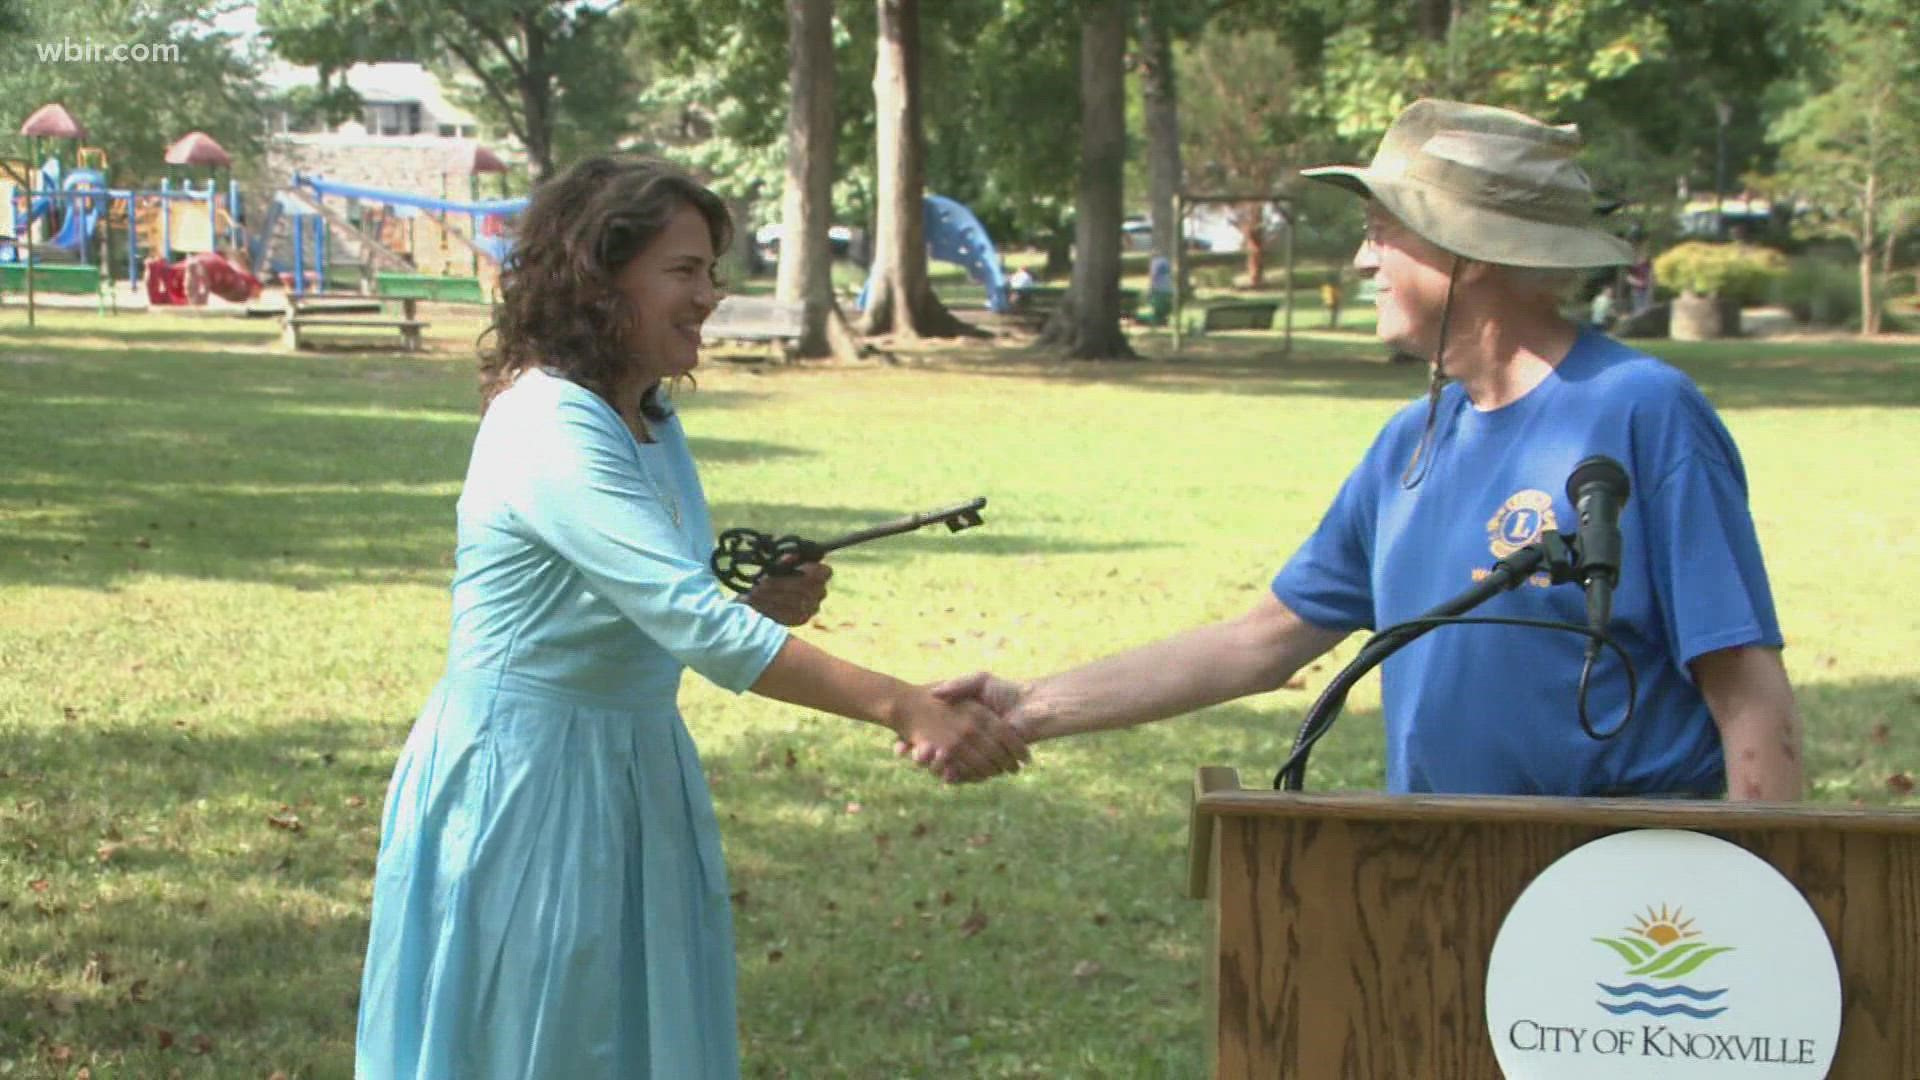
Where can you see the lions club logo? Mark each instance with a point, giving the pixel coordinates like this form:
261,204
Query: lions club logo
1519,522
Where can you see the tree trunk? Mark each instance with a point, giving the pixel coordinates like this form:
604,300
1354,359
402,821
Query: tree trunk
902,301
806,257
1161,96
1059,252
1869,313
1089,323
536,97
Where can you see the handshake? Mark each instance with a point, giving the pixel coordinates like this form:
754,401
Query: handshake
967,729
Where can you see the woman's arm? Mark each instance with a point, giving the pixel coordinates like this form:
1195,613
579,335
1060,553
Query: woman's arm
964,740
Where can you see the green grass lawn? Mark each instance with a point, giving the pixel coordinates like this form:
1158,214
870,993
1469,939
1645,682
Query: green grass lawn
223,575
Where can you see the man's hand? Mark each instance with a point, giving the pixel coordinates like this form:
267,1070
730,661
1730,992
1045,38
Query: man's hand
961,740
1001,697
792,599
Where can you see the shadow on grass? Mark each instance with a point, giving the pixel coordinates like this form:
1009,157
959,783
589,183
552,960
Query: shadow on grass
223,467
866,894
1734,374
167,901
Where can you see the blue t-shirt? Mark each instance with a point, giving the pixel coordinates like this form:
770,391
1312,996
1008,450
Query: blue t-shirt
1492,709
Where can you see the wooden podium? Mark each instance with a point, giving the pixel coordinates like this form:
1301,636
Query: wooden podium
1351,933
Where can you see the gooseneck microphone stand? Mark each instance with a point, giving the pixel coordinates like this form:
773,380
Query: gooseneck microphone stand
1552,551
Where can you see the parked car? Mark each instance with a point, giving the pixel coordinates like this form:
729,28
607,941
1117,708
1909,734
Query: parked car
1136,234
767,239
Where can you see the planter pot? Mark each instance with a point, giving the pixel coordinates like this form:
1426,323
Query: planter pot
1703,318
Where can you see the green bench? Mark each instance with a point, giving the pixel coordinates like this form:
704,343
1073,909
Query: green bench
444,290
1041,300
76,279
1251,315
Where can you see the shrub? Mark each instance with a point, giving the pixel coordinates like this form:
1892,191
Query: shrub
1736,272
1820,292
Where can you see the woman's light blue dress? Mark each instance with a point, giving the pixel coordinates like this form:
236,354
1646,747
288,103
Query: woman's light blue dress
550,900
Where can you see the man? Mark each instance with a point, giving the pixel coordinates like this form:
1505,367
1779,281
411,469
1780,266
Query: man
1478,223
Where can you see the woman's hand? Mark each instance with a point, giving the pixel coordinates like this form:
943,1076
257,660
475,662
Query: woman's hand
963,741
792,599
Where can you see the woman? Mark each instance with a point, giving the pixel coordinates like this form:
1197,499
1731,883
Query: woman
550,899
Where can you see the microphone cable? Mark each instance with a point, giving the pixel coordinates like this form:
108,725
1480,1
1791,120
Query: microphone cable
1294,768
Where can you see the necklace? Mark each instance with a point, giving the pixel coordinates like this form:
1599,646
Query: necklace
663,491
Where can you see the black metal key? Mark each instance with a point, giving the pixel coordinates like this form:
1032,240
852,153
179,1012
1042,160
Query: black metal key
744,556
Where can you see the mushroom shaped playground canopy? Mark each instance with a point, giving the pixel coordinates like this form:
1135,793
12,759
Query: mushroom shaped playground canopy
198,148
53,122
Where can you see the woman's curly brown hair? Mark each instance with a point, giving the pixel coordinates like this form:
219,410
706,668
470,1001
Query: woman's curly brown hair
559,307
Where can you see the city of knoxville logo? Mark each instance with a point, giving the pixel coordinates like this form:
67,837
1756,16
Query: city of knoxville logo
1519,522
1661,948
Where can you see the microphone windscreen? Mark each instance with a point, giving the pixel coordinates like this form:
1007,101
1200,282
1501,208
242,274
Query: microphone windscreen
1599,469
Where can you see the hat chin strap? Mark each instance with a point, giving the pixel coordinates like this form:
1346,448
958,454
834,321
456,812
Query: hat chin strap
1438,380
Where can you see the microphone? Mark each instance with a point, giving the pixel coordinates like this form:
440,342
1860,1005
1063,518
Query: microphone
1598,488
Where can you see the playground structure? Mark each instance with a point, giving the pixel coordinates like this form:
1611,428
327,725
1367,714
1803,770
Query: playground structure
57,221
64,228
954,235
411,245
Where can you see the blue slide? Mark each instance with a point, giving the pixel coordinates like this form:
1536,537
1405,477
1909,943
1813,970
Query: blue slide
954,235
76,229
77,216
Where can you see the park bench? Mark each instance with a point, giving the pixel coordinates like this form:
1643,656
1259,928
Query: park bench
325,312
1251,315
1035,300
760,320
1040,301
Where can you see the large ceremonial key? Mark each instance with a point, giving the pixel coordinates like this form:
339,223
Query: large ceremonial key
745,556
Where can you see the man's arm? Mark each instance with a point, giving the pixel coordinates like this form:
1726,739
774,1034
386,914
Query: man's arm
1256,652
1752,702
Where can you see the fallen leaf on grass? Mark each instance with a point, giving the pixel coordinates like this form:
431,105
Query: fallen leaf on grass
1881,734
39,885
285,819
162,1037
202,1044
974,923
1900,784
